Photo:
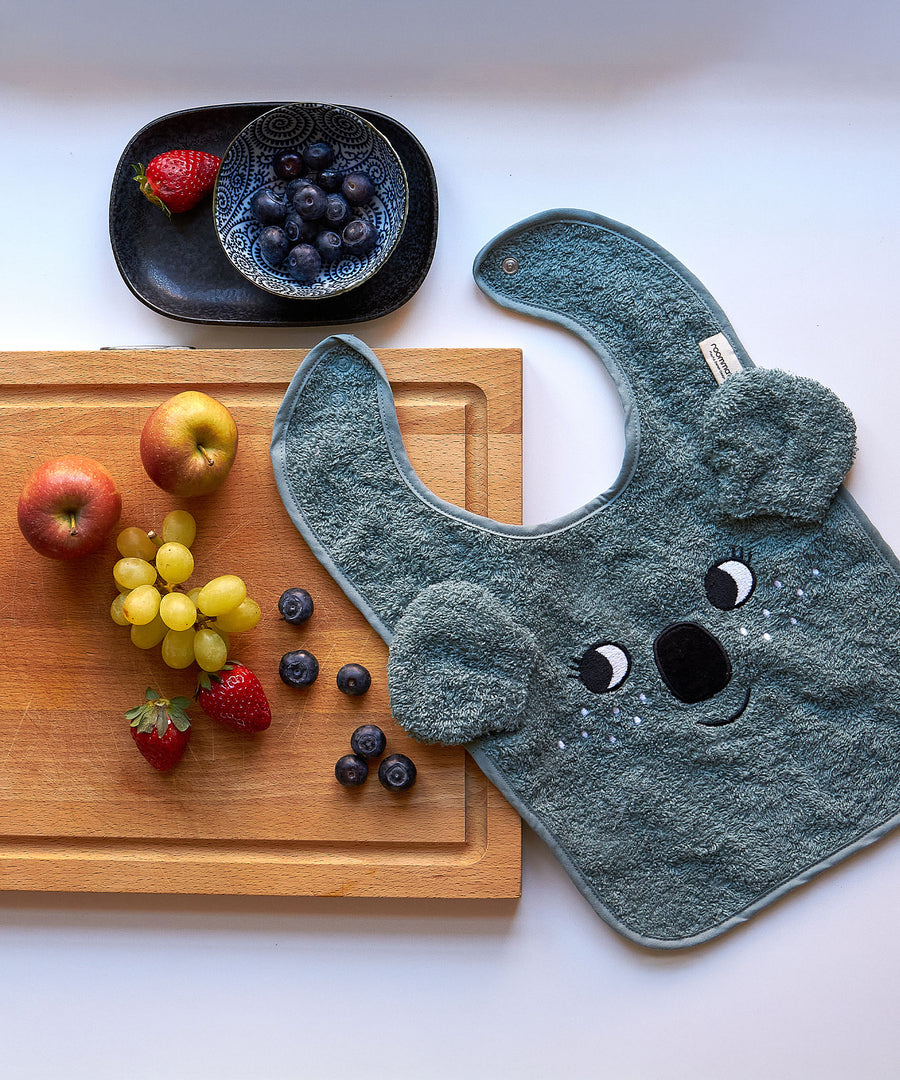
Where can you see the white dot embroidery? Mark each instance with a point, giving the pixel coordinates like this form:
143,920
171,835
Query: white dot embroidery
744,631
612,738
616,710
584,734
584,712
778,585
643,699
800,592
637,719
561,745
767,637
815,573
767,613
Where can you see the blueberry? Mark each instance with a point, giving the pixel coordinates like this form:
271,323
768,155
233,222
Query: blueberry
354,679
304,263
309,202
288,165
397,772
299,231
318,155
337,211
368,741
298,668
268,207
295,185
295,606
350,770
357,188
330,180
273,244
359,237
329,245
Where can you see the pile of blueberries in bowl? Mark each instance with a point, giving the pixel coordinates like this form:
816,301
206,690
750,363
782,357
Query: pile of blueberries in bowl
313,223
310,201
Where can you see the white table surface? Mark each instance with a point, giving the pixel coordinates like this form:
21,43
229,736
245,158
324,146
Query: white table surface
758,143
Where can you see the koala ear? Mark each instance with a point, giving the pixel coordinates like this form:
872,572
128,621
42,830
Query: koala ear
458,666
778,444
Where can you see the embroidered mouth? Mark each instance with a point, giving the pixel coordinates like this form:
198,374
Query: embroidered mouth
720,721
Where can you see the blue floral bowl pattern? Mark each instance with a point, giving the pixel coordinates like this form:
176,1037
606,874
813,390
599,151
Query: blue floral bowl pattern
247,168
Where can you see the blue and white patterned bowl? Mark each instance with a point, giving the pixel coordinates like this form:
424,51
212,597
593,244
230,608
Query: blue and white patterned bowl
247,167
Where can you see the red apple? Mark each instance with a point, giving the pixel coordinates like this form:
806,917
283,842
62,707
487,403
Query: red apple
188,444
68,507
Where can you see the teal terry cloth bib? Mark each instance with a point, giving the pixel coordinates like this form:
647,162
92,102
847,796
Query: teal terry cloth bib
688,687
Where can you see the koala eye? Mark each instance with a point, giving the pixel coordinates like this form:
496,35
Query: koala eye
603,667
729,583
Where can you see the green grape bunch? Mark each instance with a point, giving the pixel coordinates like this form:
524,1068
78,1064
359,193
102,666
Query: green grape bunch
190,624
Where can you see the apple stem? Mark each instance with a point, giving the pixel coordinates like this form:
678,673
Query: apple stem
209,461
73,529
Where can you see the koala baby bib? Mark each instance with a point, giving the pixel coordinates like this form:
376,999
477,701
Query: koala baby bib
689,687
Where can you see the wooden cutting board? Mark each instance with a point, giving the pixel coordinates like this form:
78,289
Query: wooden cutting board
80,809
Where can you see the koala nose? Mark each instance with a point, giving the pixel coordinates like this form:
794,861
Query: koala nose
692,663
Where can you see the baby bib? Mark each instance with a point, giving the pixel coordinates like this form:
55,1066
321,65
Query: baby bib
689,686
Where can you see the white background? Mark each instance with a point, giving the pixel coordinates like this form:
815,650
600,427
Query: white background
758,143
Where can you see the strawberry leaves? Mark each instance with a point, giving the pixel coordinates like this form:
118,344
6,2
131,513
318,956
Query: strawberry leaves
140,177
157,712
206,680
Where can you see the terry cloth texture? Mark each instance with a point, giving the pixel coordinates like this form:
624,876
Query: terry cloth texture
690,687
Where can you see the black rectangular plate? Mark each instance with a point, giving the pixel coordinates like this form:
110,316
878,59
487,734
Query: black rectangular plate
178,268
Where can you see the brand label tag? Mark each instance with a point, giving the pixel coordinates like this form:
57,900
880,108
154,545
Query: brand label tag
720,357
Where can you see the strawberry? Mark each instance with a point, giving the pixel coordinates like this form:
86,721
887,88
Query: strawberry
178,179
234,697
161,729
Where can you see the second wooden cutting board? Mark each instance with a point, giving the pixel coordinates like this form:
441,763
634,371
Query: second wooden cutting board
79,808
